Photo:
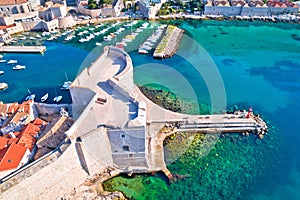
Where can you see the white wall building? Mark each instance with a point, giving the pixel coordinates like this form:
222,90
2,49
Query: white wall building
9,7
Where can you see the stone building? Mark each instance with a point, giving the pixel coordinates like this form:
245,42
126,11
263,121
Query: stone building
4,37
52,11
249,7
9,7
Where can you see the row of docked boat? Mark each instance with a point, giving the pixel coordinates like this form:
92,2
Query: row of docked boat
91,33
151,40
129,38
10,62
44,97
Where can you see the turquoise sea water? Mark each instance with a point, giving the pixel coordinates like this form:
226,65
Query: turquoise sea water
259,64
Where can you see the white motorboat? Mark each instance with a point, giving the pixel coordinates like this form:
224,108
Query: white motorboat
57,99
18,67
2,61
69,37
12,62
98,44
143,51
1,72
3,86
45,97
45,33
107,38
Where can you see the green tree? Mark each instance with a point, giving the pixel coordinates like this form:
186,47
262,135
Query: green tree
92,4
102,3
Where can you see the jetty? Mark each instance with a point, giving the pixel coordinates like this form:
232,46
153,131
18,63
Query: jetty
116,129
22,49
169,43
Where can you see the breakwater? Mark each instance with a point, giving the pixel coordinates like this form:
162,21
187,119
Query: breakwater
169,43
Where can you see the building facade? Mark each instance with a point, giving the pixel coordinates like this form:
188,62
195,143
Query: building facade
9,7
249,7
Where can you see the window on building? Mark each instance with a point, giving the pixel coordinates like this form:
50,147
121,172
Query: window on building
126,148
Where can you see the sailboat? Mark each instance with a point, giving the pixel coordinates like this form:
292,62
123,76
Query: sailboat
45,97
67,84
30,97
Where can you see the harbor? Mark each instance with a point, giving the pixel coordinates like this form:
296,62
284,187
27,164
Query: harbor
141,137
22,49
252,153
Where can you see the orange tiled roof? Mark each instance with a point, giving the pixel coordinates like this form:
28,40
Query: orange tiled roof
26,106
5,27
23,112
11,156
13,108
39,122
10,2
3,142
3,108
28,136
6,141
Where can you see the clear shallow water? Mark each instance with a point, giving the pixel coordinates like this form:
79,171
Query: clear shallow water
259,65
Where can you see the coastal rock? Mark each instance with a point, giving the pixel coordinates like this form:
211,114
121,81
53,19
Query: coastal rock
110,196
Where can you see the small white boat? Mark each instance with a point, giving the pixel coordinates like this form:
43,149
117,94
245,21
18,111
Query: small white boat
69,37
18,67
142,51
45,33
50,39
57,99
1,72
1,56
12,62
107,38
32,38
98,44
45,97
66,85
2,61
3,86
30,97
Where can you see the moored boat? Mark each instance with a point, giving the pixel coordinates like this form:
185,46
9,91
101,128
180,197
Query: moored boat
12,62
142,51
3,86
45,97
66,85
1,72
30,97
57,99
18,67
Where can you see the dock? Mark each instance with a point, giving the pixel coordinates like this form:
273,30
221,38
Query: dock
22,49
169,43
